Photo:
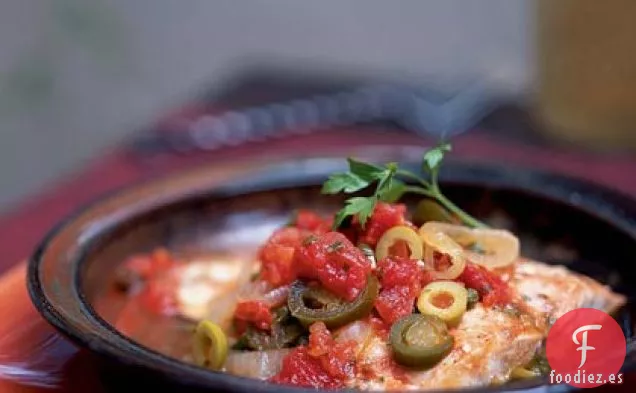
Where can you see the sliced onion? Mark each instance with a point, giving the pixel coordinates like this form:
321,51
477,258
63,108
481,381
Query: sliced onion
501,248
277,297
359,331
262,290
256,364
254,290
435,240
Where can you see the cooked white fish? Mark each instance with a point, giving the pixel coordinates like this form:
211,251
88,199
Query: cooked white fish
489,343
555,290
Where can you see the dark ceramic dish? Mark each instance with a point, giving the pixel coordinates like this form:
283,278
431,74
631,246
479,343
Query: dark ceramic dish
559,220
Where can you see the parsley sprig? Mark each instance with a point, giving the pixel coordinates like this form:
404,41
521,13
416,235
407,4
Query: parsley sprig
390,188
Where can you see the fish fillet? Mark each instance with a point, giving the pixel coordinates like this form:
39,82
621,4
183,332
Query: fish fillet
490,342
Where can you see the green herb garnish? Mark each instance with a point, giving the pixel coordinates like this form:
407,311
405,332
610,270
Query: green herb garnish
335,246
310,240
389,188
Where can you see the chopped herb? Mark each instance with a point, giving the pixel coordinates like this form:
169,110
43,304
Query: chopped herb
255,276
476,247
473,297
335,246
526,298
389,188
512,311
539,364
310,240
550,320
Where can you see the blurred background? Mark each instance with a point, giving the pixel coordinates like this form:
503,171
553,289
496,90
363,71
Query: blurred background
80,78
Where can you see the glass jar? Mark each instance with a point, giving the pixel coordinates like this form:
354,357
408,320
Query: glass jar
587,71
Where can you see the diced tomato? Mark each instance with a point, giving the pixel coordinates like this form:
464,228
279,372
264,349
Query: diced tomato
255,312
320,340
277,255
324,363
147,265
300,369
399,271
337,358
340,361
492,289
312,221
159,297
395,303
401,284
332,259
384,217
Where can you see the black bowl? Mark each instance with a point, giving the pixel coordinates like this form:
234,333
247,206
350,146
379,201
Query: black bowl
560,220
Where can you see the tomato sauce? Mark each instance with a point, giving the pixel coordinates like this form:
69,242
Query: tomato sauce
380,327
154,272
149,265
301,369
159,296
324,363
